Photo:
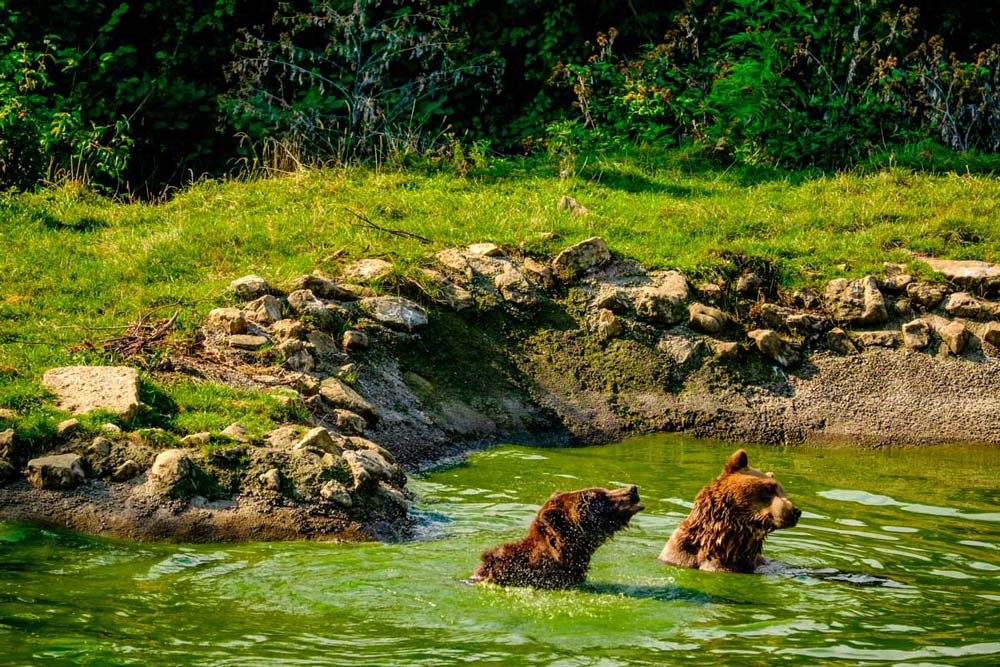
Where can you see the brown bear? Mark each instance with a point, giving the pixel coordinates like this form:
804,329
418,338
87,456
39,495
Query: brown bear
726,528
561,539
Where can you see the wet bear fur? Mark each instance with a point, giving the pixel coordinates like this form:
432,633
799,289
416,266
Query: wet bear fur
731,516
561,540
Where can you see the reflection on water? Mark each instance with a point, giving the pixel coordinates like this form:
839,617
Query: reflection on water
895,561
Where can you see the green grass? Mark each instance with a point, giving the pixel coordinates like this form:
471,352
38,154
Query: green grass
76,264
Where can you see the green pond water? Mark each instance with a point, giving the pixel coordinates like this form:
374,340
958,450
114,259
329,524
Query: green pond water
896,561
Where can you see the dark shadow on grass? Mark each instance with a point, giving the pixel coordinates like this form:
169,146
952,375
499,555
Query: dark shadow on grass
83,224
160,409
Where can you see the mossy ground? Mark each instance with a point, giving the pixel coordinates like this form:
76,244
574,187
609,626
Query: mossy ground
78,268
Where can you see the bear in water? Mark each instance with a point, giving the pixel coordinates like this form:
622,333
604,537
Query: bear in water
731,516
563,536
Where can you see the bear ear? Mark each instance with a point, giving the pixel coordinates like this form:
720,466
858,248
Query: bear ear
736,462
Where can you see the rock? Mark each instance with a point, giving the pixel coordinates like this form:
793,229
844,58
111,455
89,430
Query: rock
806,298
963,304
896,283
485,249
838,341
348,423
610,297
710,292
724,349
311,310
321,439
354,340
172,474
395,312
63,471
877,338
969,274
583,256
342,396
364,270
955,336
515,288
271,479
7,444
247,342
567,203
926,295
856,301
283,437
111,429
8,473
455,260
392,495
100,447
368,468
82,389
772,346
323,288
538,273
283,330
448,294
196,439
680,349
991,333
805,324
265,310
231,320
608,325
7,413
664,303
706,318
65,429
336,492
126,471
249,287
903,307
916,334
297,357
773,315
748,285
237,431
324,347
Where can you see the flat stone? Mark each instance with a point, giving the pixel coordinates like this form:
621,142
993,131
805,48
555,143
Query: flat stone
583,256
856,302
249,287
342,396
888,339
955,336
283,437
65,429
567,203
196,439
395,312
82,389
321,439
63,471
237,431
111,429
806,323
126,471
283,330
963,304
247,342
771,345
968,273
680,349
665,301
706,318
485,249
231,320
613,298
367,269
916,334
895,283
514,287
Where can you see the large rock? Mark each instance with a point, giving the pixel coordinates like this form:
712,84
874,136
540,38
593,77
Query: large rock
63,471
342,396
772,346
706,318
856,302
583,256
175,475
916,334
321,439
927,296
231,320
514,287
395,312
838,341
963,304
955,337
664,301
311,310
265,310
249,287
991,333
969,274
368,467
82,389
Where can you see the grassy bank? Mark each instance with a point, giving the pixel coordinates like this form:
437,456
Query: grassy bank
75,265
